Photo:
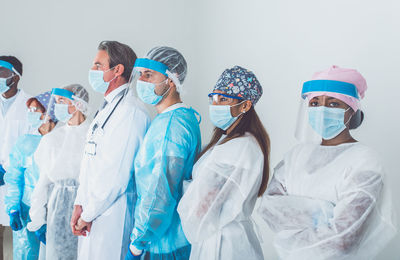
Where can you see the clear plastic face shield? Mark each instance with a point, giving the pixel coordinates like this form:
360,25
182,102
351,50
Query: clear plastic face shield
7,73
325,112
149,80
65,104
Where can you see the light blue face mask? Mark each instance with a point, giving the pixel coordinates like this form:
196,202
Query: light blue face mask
221,115
97,82
146,92
327,122
61,112
3,85
34,119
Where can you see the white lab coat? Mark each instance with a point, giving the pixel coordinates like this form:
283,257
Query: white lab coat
216,209
12,125
105,176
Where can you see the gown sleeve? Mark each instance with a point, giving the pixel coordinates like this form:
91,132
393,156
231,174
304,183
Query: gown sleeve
310,228
14,178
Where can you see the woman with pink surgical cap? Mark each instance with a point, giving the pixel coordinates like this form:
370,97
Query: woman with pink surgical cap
327,198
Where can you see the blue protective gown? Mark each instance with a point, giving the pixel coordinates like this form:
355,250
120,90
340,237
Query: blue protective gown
164,161
21,178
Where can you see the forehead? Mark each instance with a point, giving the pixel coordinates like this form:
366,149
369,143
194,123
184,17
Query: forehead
149,71
101,57
325,98
4,72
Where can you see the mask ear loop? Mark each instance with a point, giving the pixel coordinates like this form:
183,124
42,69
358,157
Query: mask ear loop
348,121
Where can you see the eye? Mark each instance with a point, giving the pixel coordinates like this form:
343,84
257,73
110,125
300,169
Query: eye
223,99
333,104
314,104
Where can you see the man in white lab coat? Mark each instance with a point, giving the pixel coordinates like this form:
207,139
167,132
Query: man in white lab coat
104,206
13,123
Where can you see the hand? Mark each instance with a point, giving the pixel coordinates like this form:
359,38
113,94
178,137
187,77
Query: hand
41,234
15,221
131,256
76,214
83,226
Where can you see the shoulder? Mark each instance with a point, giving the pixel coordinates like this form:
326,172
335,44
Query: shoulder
27,143
239,148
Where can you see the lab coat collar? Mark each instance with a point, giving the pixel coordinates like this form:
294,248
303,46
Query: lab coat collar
173,107
110,97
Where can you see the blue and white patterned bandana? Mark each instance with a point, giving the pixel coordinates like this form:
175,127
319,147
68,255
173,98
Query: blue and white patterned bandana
44,99
240,82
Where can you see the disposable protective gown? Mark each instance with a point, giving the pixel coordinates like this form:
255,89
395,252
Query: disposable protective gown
216,209
58,158
329,202
164,161
21,178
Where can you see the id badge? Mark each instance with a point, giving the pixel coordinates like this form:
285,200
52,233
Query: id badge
90,148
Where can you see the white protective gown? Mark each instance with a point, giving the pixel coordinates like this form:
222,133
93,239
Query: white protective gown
329,202
58,157
106,190
216,209
13,124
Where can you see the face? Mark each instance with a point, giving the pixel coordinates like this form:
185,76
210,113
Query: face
101,62
236,109
35,106
331,102
67,101
155,77
9,75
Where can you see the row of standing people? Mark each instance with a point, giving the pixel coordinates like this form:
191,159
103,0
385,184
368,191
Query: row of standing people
128,188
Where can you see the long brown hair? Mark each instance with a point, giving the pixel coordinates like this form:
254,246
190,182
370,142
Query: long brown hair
250,122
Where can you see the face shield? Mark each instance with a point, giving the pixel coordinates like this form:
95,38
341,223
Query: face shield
327,108
7,72
149,80
66,104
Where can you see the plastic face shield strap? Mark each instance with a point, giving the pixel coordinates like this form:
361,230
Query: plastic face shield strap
8,65
332,86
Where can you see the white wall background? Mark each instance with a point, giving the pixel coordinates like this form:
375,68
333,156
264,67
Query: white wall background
282,41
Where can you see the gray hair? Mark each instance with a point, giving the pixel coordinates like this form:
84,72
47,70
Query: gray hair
119,53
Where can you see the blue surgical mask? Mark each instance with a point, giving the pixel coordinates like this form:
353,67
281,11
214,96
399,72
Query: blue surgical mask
61,112
97,82
221,116
3,85
34,119
327,122
146,92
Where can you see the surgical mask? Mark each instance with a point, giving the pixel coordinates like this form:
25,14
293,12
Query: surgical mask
34,119
221,116
97,82
3,85
146,92
61,112
327,122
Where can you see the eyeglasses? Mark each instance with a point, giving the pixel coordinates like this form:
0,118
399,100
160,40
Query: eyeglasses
221,99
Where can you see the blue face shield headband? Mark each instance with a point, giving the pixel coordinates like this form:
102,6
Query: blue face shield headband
153,65
332,86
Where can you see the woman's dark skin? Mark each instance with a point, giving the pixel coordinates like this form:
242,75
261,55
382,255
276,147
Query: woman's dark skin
344,136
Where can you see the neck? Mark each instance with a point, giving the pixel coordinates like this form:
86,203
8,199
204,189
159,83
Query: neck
77,119
46,128
10,93
343,137
230,129
116,83
171,99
